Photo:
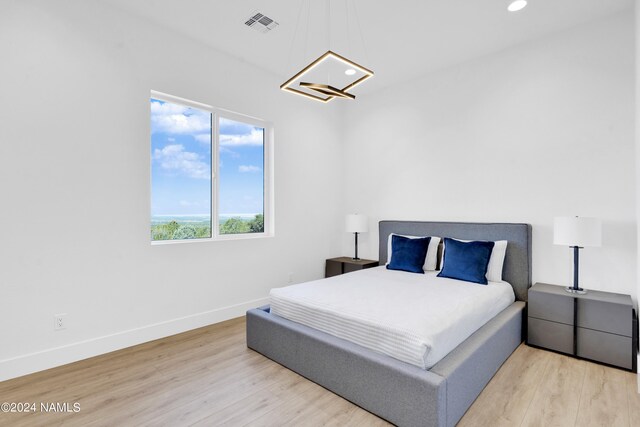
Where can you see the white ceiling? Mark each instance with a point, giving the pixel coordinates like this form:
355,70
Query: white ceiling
402,39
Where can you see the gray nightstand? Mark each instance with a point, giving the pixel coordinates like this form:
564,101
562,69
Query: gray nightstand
599,326
341,265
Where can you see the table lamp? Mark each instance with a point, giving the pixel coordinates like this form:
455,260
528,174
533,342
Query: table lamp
577,232
356,223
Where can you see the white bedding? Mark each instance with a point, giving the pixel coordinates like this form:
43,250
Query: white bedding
416,318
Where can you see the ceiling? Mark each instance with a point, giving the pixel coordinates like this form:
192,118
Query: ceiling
397,40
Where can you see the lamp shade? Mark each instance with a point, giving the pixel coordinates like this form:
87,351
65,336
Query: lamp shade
577,231
356,223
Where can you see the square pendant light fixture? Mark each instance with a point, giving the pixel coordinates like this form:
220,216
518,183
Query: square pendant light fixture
345,74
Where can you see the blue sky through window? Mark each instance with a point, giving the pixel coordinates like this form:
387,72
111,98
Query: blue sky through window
180,160
241,169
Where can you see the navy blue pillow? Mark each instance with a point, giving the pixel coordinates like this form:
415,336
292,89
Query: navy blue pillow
408,254
466,261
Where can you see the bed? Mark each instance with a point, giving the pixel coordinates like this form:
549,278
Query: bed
398,391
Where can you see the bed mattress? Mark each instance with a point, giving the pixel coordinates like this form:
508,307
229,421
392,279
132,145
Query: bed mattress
415,318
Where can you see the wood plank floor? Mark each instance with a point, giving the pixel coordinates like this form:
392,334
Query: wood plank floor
208,377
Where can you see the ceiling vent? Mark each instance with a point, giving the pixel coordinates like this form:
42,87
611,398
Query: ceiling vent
261,23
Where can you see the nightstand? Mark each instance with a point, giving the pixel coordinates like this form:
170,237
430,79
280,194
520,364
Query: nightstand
341,265
599,326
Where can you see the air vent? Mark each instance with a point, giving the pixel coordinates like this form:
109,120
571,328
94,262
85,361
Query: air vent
261,23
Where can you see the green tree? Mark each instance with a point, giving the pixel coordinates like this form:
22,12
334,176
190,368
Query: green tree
185,232
164,231
158,232
203,231
171,227
234,226
256,225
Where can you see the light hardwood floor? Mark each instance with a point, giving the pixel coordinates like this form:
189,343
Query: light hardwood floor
207,377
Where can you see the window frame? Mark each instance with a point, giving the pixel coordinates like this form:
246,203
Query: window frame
216,114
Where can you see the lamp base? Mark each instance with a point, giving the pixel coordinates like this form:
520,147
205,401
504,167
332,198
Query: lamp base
578,291
356,259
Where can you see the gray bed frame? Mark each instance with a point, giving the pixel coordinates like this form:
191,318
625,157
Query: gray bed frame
396,391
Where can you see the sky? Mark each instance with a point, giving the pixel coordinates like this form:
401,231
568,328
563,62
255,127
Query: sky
181,163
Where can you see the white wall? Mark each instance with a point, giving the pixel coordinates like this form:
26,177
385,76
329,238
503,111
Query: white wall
74,185
539,130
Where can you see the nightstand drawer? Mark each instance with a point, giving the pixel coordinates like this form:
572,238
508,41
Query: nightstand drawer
605,316
551,307
551,335
606,348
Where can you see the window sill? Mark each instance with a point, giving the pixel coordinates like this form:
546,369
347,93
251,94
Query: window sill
221,238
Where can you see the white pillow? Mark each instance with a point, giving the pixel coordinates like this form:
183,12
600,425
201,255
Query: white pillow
494,269
496,260
430,261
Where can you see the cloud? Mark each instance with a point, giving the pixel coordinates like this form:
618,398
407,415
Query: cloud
227,151
256,137
248,169
174,158
203,138
177,119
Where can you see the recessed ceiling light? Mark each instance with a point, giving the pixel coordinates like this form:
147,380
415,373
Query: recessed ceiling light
517,5
350,72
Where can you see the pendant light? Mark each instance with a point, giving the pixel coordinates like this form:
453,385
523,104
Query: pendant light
331,75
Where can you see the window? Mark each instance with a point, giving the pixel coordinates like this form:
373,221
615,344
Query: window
210,176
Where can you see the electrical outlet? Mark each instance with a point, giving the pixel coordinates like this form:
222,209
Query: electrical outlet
59,321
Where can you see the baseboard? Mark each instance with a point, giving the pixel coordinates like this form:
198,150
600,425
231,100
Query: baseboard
58,356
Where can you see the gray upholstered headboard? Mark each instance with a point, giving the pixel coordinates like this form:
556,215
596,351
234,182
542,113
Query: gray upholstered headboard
517,264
